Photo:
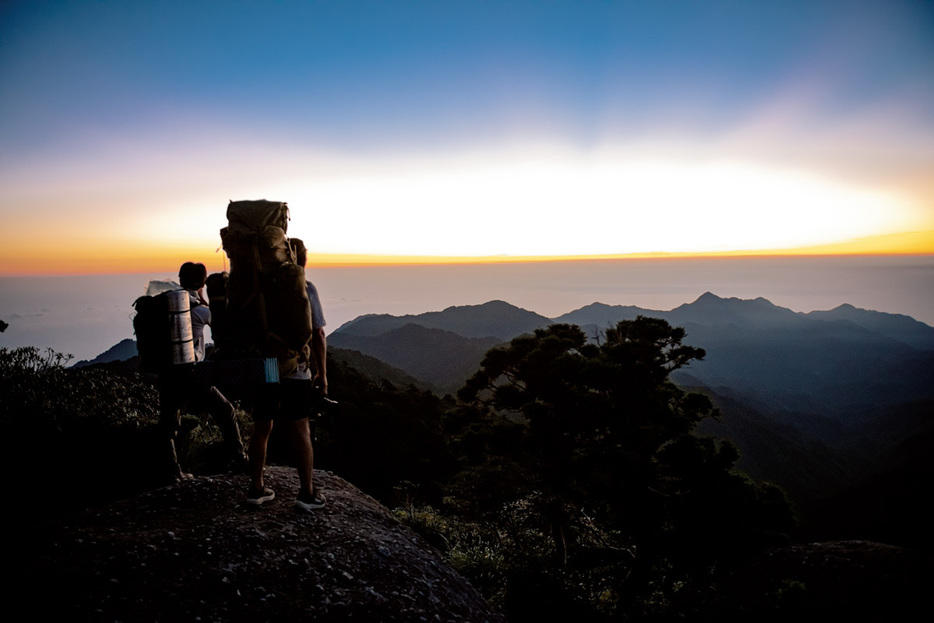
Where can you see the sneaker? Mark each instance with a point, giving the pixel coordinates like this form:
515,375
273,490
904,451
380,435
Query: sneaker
310,504
258,497
176,477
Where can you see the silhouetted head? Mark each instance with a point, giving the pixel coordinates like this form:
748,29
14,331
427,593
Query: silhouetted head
298,248
192,275
216,283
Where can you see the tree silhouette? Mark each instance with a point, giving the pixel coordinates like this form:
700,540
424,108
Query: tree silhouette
606,436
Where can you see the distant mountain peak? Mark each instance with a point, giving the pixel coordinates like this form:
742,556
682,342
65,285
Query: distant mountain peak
711,298
601,315
494,306
493,303
491,319
898,326
123,350
711,309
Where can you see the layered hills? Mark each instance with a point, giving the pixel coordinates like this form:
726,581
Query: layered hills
825,404
823,362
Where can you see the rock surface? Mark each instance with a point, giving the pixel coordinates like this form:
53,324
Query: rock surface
195,552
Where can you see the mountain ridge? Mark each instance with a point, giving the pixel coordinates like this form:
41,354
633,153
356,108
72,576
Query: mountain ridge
485,320
752,345
498,319
899,326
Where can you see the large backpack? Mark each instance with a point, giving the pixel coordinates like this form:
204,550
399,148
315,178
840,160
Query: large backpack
267,311
162,325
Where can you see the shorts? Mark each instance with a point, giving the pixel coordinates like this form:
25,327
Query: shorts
289,400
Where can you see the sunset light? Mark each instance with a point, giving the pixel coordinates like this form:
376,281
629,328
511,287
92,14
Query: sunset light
605,205
410,133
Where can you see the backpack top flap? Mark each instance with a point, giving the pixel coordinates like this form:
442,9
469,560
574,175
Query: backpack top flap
258,214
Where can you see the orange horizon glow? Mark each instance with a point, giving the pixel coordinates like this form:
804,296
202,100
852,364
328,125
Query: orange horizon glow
393,147
135,258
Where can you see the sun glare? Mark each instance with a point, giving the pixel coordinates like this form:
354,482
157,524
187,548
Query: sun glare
496,210
566,209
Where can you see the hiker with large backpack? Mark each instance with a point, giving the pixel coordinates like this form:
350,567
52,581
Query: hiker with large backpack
178,384
269,315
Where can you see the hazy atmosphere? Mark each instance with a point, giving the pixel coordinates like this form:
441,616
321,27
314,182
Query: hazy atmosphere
85,315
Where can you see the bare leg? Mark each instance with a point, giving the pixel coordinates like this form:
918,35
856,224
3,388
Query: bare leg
304,455
261,431
170,421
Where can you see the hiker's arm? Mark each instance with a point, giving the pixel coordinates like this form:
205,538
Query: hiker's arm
319,352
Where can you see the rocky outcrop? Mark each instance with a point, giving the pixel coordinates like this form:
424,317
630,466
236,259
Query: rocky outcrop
195,552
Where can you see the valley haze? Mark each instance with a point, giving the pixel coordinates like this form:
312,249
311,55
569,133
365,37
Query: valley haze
84,315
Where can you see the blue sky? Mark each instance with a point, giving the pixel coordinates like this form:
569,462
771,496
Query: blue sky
454,125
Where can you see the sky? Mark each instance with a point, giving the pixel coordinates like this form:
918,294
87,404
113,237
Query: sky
482,130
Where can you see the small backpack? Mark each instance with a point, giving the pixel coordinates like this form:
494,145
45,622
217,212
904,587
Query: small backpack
162,325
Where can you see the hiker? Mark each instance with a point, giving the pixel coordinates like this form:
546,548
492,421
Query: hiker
179,386
291,404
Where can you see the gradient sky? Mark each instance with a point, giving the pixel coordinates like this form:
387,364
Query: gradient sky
495,129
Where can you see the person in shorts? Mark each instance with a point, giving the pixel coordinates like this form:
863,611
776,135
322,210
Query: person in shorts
287,403
291,403
179,387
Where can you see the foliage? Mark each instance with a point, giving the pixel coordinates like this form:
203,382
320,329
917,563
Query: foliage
91,434
100,424
604,466
381,435
40,391
473,549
